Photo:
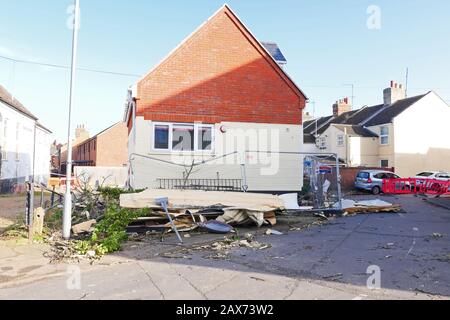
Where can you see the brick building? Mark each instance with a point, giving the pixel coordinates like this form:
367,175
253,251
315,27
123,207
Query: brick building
106,149
219,84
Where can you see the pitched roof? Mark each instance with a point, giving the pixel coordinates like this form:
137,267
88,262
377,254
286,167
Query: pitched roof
43,128
274,51
363,114
309,138
356,130
392,111
310,126
363,118
249,35
7,98
100,133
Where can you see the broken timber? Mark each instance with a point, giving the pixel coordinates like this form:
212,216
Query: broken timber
188,199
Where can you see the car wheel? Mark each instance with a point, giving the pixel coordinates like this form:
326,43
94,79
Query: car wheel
376,190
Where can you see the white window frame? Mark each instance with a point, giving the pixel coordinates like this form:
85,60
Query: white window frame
381,163
340,143
322,143
385,136
171,126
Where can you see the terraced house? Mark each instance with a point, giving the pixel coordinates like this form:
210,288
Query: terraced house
220,93
406,133
24,146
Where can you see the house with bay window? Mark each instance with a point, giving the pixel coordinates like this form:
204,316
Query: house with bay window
220,112
408,134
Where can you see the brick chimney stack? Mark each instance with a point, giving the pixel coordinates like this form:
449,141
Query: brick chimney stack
81,134
394,93
341,107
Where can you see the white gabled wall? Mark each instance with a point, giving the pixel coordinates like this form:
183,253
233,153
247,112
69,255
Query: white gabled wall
43,158
17,134
422,137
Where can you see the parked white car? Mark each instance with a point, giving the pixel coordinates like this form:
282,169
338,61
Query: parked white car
433,175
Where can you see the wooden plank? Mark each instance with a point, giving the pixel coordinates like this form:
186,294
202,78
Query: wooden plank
182,199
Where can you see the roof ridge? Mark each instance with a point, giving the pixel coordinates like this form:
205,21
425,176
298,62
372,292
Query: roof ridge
8,98
244,29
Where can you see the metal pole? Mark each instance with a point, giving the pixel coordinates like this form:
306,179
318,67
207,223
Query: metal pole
67,218
33,172
338,178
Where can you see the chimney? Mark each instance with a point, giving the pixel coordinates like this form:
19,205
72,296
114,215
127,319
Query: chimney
81,134
341,107
394,93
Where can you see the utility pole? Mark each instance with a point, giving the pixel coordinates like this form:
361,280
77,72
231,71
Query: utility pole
67,217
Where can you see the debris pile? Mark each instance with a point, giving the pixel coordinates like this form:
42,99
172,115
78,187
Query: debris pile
351,207
215,212
221,250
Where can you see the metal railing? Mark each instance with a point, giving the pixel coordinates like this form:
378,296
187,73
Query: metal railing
233,185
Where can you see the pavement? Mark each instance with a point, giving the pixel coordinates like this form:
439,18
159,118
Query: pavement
411,250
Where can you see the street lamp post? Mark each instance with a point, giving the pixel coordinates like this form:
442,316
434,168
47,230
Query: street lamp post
67,217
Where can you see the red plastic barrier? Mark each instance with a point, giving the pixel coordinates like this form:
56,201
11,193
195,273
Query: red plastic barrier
416,186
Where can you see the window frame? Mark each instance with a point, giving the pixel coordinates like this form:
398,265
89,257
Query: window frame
388,135
171,126
381,163
338,140
181,126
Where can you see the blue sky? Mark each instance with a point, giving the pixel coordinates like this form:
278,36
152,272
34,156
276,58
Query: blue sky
327,44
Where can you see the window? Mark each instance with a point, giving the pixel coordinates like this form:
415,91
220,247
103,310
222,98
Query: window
340,140
183,137
384,163
162,137
384,135
381,176
392,176
205,138
363,175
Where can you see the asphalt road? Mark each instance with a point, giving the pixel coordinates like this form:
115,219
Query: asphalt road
411,250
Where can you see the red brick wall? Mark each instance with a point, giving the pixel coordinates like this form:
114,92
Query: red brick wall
85,151
112,147
220,74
